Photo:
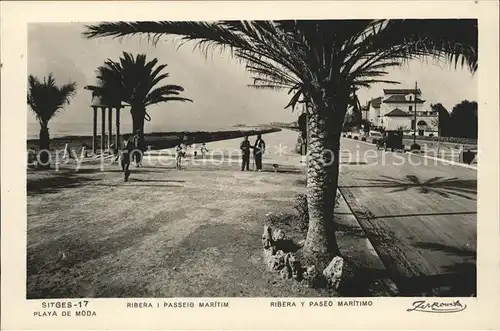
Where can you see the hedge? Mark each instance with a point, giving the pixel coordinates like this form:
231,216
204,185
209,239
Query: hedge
455,140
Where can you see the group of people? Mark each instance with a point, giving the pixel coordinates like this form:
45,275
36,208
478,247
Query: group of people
258,147
181,149
132,150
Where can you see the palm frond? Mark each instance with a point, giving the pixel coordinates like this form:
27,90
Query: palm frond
318,60
46,99
132,80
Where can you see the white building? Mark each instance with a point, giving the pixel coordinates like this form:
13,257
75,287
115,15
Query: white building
372,112
396,110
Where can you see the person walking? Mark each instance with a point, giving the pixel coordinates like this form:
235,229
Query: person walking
258,150
138,150
195,150
245,154
127,148
203,150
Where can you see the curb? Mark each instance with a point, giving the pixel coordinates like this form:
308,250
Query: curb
385,284
443,160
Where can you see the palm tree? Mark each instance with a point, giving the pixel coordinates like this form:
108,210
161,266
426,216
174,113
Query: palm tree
133,81
46,99
320,63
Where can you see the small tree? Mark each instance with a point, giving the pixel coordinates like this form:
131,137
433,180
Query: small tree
443,120
402,128
46,99
463,120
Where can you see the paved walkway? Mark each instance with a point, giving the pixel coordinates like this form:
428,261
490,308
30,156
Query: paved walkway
420,215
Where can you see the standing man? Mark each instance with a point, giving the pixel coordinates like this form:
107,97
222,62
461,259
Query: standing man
245,154
138,149
178,156
127,148
258,149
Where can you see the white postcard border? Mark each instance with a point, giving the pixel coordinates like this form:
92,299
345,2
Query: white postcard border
251,313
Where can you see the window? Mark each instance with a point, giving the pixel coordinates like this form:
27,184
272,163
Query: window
410,108
411,99
413,124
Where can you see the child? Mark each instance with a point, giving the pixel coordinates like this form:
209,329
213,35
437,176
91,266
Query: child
195,152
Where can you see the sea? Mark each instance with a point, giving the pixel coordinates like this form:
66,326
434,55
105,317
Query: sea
85,129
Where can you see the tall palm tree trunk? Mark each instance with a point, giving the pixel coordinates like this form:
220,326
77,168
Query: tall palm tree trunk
322,180
138,113
44,144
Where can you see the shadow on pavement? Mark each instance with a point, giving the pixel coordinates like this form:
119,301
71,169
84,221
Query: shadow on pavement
359,282
451,250
445,187
424,214
56,182
458,279
157,180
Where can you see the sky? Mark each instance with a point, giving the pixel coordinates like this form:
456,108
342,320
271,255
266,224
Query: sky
218,85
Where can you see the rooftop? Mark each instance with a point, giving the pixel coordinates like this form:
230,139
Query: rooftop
400,98
402,91
376,102
396,112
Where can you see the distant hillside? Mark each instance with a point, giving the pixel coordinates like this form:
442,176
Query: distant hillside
282,125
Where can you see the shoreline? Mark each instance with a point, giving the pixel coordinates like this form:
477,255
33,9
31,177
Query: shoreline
157,140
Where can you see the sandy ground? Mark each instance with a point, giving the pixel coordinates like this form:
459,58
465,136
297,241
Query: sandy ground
165,233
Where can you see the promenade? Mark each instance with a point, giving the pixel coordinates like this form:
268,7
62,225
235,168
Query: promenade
149,236
419,214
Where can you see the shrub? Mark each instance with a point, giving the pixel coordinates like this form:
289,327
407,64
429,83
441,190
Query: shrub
468,157
445,139
363,138
374,141
431,134
356,138
349,136
415,147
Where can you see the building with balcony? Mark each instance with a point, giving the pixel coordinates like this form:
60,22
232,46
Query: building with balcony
396,111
